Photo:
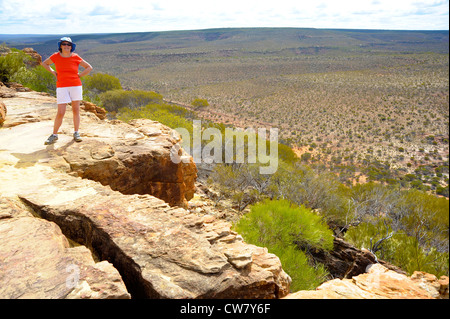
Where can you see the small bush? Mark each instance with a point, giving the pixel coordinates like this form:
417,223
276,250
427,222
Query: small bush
281,227
100,82
11,64
38,79
170,115
116,99
199,103
14,68
401,250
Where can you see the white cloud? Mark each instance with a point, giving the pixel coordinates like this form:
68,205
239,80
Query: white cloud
88,16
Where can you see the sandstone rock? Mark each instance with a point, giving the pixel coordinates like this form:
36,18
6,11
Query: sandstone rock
36,58
2,113
131,158
123,157
378,283
17,87
91,107
26,107
37,262
443,289
429,282
6,92
160,251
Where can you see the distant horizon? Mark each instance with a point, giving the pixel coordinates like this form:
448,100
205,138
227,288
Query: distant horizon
223,28
48,17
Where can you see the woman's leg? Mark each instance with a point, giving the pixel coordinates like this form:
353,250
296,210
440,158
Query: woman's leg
76,115
59,117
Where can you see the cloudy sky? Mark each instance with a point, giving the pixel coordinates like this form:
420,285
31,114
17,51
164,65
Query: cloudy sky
108,16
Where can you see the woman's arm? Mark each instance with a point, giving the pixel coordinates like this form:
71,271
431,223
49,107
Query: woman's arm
46,64
87,68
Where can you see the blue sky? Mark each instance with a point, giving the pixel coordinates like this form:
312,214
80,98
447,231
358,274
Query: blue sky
108,16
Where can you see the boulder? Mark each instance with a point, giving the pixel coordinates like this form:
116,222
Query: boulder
17,87
91,107
160,251
378,282
133,161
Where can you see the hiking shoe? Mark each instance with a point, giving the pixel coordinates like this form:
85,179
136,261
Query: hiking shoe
51,139
77,137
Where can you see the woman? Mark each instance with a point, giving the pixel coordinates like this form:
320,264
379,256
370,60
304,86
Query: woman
68,84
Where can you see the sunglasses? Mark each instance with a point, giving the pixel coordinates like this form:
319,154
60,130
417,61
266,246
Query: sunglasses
66,44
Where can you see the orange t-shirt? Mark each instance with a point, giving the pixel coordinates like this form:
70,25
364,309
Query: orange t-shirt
67,69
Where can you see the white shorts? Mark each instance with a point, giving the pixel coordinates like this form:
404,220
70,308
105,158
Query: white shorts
69,94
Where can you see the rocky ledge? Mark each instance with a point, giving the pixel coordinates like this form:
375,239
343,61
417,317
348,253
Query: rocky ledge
108,217
380,282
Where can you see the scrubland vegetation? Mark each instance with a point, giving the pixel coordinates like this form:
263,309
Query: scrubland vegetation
363,121
15,67
366,105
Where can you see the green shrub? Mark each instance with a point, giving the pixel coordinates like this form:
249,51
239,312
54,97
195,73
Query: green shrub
38,79
286,153
101,82
169,115
306,157
13,68
427,216
401,250
94,85
199,103
444,191
283,227
11,64
114,100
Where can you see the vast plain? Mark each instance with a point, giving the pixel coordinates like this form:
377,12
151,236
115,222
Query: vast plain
367,104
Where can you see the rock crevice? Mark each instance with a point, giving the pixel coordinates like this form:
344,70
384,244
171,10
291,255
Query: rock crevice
83,231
